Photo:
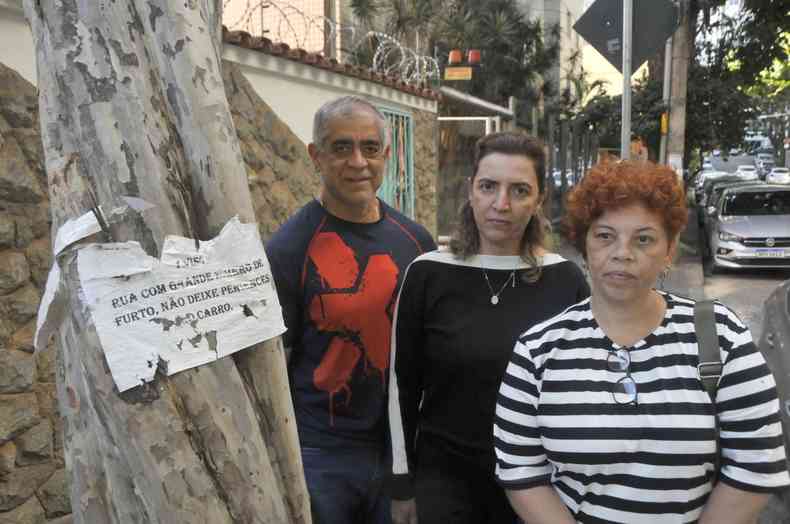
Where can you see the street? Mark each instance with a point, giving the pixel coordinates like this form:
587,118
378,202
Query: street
731,163
745,290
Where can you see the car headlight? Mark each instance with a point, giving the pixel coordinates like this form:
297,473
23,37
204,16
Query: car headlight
729,237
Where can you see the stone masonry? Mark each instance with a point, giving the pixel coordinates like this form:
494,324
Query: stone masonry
426,167
33,480
32,476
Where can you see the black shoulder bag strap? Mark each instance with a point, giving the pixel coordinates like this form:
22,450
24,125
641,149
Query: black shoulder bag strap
710,365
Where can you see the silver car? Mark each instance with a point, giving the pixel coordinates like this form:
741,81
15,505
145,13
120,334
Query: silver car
750,227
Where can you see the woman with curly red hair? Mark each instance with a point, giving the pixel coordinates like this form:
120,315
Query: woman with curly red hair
602,415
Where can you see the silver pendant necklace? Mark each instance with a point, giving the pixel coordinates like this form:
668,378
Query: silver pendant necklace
495,296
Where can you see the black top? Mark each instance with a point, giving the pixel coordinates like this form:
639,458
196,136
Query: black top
337,282
451,347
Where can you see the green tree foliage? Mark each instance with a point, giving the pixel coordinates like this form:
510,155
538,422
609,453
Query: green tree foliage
762,37
515,51
604,113
770,96
731,56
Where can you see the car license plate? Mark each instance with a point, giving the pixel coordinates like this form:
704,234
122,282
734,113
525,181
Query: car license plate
770,253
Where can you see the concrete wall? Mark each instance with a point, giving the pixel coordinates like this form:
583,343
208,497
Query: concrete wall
16,43
295,90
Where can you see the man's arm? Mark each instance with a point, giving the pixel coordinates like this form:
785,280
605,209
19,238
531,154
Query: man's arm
729,505
540,505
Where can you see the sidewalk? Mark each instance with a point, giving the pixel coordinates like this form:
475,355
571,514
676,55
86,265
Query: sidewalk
686,277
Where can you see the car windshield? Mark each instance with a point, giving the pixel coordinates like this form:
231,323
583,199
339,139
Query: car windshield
757,203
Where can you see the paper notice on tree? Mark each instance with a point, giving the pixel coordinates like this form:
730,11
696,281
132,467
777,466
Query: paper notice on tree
197,304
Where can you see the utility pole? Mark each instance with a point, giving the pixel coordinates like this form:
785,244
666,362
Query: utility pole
681,54
662,152
625,131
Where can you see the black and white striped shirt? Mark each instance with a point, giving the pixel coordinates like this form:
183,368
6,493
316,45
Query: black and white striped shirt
557,421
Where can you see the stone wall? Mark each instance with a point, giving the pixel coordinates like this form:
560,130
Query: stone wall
281,174
33,487
33,481
426,168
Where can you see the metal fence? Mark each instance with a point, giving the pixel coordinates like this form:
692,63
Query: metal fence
397,189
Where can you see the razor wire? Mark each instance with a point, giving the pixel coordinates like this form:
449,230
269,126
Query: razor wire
284,22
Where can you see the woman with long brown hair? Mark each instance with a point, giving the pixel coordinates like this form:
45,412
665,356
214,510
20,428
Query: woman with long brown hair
458,315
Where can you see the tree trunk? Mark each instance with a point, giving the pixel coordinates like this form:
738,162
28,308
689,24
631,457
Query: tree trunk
132,104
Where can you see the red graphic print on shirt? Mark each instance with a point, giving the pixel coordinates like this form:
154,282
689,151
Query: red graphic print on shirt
355,309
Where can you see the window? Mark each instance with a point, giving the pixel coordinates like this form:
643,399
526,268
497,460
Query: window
397,189
757,203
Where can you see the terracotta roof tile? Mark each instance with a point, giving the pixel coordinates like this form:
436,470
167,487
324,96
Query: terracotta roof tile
264,45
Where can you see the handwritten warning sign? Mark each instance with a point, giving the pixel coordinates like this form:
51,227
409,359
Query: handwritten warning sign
196,304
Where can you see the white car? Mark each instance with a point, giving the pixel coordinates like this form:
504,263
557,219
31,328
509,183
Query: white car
778,175
747,172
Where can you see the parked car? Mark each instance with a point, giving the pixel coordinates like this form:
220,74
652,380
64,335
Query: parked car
557,176
747,172
717,152
750,227
713,196
778,175
711,183
735,151
705,177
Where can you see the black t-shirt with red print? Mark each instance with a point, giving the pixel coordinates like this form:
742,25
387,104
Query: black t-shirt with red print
337,282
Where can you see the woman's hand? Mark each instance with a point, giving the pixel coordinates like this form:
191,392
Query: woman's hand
404,511
540,505
729,505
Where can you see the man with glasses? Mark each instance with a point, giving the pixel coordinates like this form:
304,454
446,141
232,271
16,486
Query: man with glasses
338,264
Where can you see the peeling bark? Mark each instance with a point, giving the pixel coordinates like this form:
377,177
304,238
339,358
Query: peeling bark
132,103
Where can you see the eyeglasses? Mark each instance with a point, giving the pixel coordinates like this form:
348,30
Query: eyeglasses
343,149
624,391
